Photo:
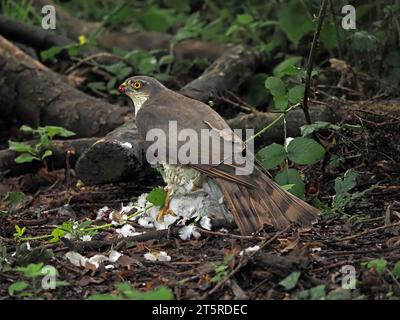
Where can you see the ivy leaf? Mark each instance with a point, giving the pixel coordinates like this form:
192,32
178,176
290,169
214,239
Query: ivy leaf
291,280
157,197
272,155
305,151
291,177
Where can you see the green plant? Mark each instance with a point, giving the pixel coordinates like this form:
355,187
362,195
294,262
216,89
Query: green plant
20,10
41,149
343,198
29,287
126,292
221,269
291,280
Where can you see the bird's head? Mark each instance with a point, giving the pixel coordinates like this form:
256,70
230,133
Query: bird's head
140,88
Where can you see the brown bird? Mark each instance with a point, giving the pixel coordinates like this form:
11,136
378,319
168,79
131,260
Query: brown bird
253,198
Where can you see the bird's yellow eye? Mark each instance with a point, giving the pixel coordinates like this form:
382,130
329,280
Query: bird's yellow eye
136,84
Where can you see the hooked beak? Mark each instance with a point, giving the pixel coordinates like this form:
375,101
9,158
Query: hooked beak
122,88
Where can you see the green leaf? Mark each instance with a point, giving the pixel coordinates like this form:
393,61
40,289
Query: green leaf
57,234
13,197
378,264
27,129
32,270
53,131
317,293
294,21
342,188
296,93
287,67
339,294
308,129
305,151
272,155
291,280
244,18
396,270
291,177
19,146
25,157
17,287
51,53
288,187
142,61
156,20
46,154
97,86
157,197
276,86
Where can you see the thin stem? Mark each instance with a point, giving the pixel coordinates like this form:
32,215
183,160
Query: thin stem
311,57
269,126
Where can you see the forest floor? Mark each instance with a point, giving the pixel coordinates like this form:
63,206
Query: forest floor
366,238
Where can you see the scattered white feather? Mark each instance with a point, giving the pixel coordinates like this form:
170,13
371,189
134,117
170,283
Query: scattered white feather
114,256
168,220
249,250
142,200
126,145
150,256
76,258
97,260
205,223
102,213
127,231
86,238
186,232
146,222
68,236
127,209
160,256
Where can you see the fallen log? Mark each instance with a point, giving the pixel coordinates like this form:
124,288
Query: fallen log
41,39
59,148
35,95
228,72
118,156
294,119
132,40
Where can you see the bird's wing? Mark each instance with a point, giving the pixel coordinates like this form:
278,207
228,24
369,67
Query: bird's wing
185,113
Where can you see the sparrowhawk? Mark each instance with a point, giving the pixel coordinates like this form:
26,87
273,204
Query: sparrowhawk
253,199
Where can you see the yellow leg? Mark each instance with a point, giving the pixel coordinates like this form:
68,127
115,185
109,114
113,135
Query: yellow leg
166,210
